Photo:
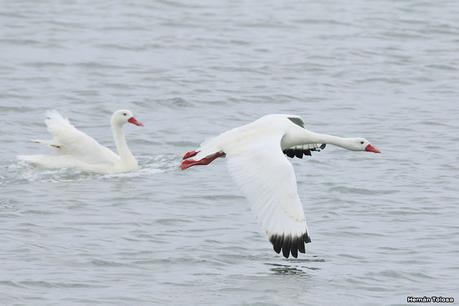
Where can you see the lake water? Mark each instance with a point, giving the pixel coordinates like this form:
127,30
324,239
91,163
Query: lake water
383,227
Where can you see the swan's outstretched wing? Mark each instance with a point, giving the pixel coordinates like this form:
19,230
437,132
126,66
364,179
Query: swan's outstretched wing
267,179
68,140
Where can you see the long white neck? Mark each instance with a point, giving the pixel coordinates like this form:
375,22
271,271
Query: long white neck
121,145
329,139
308,137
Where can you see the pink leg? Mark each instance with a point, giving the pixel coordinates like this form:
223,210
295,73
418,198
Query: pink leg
190,154
205,161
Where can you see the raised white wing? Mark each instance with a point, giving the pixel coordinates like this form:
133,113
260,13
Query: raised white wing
267,179
70,141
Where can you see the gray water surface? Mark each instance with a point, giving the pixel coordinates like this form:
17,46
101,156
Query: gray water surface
383,227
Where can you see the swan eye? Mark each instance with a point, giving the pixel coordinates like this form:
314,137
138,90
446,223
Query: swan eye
361,142
124,114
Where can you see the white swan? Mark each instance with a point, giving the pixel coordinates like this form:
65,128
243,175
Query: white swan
75,149
257,163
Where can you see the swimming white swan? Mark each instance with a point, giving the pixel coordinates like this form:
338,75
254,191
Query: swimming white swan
75,149
257,163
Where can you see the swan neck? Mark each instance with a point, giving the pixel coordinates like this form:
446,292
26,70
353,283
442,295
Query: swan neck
121,144
308,137
330,139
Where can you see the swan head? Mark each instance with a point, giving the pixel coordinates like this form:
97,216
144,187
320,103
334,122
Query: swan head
123,116
360,144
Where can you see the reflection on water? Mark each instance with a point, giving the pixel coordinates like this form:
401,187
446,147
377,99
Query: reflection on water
290,269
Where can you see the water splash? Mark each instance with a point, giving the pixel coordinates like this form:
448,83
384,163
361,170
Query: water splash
23,172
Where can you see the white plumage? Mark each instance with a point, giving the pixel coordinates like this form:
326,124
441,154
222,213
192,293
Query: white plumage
257,163
75,149
268,180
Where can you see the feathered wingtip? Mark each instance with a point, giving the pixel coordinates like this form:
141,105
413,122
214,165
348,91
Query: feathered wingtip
289,244
54,118
299,151
53,114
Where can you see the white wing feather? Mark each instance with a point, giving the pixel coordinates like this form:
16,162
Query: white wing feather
268,180
75,143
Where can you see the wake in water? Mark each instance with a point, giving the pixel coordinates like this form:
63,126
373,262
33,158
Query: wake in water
22,171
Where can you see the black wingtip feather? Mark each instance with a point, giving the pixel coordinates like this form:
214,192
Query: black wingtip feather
289,245
299,153
286,247
301,245
294,248
289,153
306,238
276,242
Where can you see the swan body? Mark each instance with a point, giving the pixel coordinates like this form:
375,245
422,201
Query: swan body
75,149
257,163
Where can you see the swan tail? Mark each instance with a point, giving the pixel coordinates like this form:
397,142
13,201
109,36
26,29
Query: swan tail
47,161
62,161
207,148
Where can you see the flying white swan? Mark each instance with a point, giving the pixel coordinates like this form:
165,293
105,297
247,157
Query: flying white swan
257,163
75,149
